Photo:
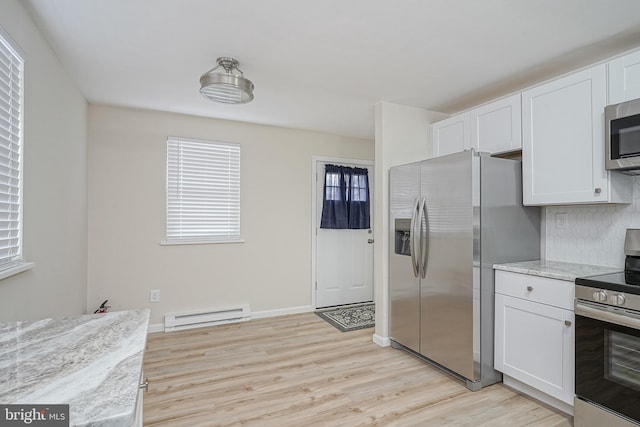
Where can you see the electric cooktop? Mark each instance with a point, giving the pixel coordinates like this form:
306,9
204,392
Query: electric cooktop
621,282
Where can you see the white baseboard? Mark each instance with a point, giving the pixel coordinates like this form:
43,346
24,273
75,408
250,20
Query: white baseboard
281,312
537,394
159,327
381,341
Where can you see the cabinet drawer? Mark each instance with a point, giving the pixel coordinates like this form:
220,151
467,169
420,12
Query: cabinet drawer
554,292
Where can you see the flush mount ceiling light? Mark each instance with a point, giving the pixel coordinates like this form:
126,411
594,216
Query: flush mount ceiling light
229,87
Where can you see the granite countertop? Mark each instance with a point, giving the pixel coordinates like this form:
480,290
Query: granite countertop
91,362
556,269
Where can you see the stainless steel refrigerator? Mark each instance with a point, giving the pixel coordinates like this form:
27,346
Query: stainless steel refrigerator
452,218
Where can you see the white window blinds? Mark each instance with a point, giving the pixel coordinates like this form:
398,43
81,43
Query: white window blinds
11,92
203,191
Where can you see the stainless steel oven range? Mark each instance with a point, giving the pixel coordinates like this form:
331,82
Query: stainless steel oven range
607,345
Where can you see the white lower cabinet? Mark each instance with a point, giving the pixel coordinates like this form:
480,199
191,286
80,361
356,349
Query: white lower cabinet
534,333
535,345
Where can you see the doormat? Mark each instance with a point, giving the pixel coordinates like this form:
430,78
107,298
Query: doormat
350,318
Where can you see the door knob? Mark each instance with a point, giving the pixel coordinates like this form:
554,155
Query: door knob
370,241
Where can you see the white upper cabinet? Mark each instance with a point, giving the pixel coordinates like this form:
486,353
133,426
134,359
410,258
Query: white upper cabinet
492,128
451,135
496,127
563,143
624,78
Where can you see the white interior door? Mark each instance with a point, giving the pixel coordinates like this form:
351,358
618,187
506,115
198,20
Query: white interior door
344,258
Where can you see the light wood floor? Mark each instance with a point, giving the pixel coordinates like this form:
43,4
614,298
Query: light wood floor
300,371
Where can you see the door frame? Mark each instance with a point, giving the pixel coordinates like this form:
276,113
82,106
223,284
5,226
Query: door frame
314,208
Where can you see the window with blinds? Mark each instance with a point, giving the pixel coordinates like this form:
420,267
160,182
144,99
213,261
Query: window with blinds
11,93
203,191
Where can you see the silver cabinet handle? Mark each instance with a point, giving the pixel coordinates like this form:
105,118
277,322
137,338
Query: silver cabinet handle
567,323
598,190
529,288
370,241
144,385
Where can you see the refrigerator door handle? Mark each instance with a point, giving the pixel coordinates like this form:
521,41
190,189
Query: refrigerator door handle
419,239
413,239
424,236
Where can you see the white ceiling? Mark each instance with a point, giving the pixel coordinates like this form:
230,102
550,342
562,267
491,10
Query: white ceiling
323,64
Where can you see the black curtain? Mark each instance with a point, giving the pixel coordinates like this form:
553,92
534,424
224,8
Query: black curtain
346,198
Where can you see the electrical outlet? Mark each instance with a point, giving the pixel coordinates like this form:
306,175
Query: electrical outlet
562,220
154,295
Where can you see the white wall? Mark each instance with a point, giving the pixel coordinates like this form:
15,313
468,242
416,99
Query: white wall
595,234
127,178
55,193
402,135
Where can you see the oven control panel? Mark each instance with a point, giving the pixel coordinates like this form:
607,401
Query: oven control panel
613,298
608,297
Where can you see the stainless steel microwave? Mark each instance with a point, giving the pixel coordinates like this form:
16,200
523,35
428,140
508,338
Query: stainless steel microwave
622,137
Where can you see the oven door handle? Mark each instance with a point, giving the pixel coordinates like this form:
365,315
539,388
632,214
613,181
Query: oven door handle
606,316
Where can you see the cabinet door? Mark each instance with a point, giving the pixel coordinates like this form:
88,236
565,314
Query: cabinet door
534,344
451,135
624,78
496,127
563,140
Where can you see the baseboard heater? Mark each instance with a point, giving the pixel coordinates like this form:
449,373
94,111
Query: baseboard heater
200,319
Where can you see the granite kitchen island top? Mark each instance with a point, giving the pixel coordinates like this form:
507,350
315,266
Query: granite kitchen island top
556,269
91,362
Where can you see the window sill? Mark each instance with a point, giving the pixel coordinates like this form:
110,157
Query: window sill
198,242
15,268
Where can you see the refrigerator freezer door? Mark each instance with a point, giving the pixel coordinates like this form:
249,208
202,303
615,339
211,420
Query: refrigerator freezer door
449,184
404,285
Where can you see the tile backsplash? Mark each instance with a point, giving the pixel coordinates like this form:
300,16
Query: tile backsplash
590,234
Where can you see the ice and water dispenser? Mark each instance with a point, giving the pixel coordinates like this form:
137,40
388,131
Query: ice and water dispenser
403,236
